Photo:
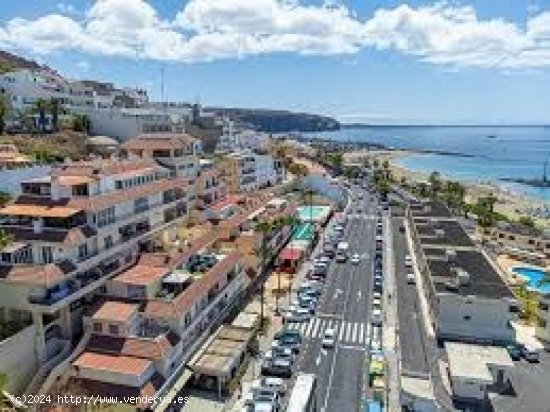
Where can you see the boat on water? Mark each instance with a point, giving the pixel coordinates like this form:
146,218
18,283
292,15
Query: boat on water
491,136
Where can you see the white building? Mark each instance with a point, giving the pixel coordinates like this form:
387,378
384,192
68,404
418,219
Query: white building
124,124
542,330
266,173
74,230
468,300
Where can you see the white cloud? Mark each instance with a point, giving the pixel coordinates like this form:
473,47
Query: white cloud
206,30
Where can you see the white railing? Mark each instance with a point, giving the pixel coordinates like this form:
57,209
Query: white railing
63,366
46,368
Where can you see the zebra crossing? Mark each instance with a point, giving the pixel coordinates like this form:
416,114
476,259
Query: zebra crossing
344,331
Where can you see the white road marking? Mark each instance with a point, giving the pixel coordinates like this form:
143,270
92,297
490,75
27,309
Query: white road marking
308,327
348,334
361,331
358,295
360,348
318,360
315,327
342,331
355,325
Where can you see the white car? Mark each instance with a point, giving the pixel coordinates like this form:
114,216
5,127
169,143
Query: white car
408,261
411,280
328,338
355,259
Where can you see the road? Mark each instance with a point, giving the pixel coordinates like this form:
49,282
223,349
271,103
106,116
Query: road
344,307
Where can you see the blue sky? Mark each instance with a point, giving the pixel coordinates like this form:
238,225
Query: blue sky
483,61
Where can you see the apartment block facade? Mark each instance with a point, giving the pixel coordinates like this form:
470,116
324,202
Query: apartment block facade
468,300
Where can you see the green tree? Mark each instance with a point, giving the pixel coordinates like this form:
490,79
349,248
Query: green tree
435,182
5,197
4,111
40,107
527,221
6,239
376,163
265,228
81,123
54,106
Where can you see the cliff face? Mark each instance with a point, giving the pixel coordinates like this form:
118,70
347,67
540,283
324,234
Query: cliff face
278,121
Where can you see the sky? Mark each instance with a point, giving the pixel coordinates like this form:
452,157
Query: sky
370,61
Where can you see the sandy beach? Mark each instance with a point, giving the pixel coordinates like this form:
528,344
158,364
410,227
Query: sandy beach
509,204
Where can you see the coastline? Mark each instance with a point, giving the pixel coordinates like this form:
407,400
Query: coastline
512,205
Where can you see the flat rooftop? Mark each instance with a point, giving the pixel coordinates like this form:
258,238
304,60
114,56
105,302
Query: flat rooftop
443,233
429,209
484,281
473,362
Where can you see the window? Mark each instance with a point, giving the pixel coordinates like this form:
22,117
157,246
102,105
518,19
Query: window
47,254
118,184
106,217
97,327
187,320
108,242
141,204
83,251
113,329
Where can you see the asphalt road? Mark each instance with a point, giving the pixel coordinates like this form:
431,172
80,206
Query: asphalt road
345,307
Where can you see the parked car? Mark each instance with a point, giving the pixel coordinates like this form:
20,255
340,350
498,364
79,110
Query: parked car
530,354
408,261
341,257
355,259
328,338
378,285
514,351
277,367
292,334
411,279
376,318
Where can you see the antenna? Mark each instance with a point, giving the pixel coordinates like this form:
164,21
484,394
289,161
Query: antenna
162,84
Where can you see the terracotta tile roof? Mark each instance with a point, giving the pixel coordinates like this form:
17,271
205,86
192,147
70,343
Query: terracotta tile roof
181,303
127,365
39,211
149,269
76,386
43,275
115,311
146,348
105,167
159,141
69,237
119,196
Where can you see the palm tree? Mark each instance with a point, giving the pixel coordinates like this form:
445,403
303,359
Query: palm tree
40,107
4,110
265,228
54,106
5,239
435,182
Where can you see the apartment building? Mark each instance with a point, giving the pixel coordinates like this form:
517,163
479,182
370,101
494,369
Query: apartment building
126,123
246,171
73,231
178,152
524,242
542,330
468,300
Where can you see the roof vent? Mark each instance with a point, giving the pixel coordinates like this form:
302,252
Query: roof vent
463,277
451,286
450,255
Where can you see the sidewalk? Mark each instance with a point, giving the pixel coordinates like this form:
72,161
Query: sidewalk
390,336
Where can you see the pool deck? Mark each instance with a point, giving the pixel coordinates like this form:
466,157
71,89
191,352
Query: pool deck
507,264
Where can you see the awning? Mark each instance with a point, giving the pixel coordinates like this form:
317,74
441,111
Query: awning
291,254
38,211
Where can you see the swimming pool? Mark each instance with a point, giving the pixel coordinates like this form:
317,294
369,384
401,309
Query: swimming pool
315,213
532,276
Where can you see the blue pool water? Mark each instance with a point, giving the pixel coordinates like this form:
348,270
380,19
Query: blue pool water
532,277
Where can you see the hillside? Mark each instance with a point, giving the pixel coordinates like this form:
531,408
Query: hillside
278,121
9,62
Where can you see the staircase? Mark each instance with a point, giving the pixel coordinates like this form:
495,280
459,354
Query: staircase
63,366
43,371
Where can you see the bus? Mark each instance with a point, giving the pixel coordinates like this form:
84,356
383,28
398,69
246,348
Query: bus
303,398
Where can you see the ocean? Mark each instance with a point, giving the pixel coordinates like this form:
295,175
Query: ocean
471,155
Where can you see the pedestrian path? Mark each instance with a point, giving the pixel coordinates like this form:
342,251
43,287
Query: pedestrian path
344,331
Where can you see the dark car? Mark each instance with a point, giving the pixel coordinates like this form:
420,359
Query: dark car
514,351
